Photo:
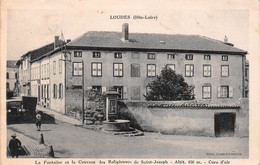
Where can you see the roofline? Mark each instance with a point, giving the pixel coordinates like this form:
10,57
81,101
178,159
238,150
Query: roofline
156,50
137,49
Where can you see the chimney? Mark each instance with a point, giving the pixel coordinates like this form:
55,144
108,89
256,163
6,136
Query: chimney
68,40
56,41
226,41
125,32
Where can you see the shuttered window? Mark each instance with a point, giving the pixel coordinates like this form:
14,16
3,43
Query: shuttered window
224,70
225,91
135,70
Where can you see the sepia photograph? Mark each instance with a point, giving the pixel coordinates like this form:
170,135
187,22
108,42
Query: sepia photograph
96,83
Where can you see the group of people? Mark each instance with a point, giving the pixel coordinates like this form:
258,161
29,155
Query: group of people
15,145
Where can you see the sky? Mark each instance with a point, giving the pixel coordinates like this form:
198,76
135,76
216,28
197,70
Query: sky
29,29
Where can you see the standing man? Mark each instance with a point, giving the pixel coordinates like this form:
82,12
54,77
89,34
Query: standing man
14,146
38,121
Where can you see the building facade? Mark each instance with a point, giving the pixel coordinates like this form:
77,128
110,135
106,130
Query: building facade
128,62
11,78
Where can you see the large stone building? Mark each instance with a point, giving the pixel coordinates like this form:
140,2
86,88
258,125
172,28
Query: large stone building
128,62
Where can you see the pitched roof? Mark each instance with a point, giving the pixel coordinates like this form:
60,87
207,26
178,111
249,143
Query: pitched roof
41,51
11,64
103,39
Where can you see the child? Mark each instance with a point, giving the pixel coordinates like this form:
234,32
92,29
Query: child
38,121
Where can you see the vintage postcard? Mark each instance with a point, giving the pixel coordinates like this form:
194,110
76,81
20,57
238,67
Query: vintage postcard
129,82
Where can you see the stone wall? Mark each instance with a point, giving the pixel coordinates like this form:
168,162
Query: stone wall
184,119
94,104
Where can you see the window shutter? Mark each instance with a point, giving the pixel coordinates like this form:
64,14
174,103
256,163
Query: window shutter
230,91
125,92
219,92
89,87
104,89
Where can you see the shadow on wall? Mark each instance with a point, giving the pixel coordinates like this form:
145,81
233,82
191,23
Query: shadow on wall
181,117
125,113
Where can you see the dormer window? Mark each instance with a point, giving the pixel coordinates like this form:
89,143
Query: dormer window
189,56
118,55
96,55
207,57
170,56
224,58
77,54
151,56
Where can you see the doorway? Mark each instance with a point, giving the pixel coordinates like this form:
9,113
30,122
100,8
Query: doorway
224,124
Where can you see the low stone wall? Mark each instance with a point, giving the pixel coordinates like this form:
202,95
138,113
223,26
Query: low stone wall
181,118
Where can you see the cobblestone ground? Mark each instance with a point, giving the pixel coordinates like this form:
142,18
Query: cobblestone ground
70,141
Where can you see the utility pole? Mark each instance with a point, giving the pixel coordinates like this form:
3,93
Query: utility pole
83,117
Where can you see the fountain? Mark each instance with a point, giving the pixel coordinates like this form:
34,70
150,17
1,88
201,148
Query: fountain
112,123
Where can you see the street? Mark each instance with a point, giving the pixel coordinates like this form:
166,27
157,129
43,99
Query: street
70,141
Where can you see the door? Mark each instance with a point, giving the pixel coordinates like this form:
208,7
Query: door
224,124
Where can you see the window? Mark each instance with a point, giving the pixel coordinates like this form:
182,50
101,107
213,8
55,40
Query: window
171,66
98,88
224,70
42,91
119,89
60,90
170,56
118,70
16,75
77,53
45,71
189,56
96,55
246,72
45,93
7,86
54,91
225,91
135,93
206,70
135,70
118,55
60,66
48,71
96,69
151,56
77,68
48,95
224,58
189,70
54,67
206,92
207,57
151,70
7,75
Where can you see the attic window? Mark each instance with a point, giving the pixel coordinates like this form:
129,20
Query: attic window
162,42
96,55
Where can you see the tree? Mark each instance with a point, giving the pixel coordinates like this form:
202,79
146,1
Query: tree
169,86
